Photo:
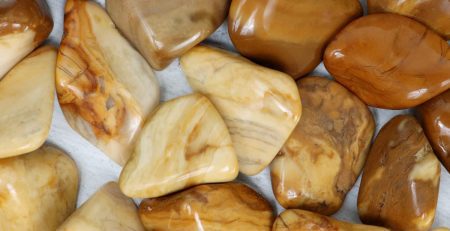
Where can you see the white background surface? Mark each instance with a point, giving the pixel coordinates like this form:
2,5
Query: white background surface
96,168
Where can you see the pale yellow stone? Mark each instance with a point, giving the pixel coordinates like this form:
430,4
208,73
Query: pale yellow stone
184,143
260,106
441,229
108,209
13,47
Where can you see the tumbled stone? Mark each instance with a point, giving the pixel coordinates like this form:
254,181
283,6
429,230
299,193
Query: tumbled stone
37,190
324,155
433,13
300,220
230,206
260,106
105,88
390,61
401,172
24,25
26,103
287,35
163,30
107,209
184,143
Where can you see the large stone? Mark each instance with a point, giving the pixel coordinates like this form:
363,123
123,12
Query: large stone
219,207
287,35
260,106
400,182
390,61
26,103
163,30
106,88
184,143
24,24
325,154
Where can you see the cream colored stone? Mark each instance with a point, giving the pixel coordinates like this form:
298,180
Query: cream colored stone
260,106
108,209
184,143
13,48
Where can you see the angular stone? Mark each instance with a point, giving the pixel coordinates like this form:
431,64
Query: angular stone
107,209
325,154
26,103
295,219
401,172
390,61
164,30
24,24
435,115
105,88
287,35
37,190
260,106
433,13
184,143
219,207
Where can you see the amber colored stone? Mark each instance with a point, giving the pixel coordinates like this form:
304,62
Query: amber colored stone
230,206
325,154
287,35
390,61
400,182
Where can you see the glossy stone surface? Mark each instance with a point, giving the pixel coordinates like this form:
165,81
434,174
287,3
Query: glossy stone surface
24,24
435,115
390,61
219,207
107,209
401,172
106,88
37,190
433,13
301,220
324,155
287,35
184,143
260,106
163,30
26,103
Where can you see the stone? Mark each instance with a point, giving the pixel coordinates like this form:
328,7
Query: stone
164,30
287,35
24,25
260,106
38,190
105,88
390,61
295,219
26,102
219,207
435,115
184,143
401,172
433,13
441,229
325,154
107,209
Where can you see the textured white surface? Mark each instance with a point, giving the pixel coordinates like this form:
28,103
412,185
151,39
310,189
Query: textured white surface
97,169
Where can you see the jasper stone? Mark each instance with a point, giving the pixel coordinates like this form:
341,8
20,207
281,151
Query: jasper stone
260,106
105,88
294,219
287,35
184,143
37,190
400,182
24,25
219,207
163,30
324,155
433,13
390,61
